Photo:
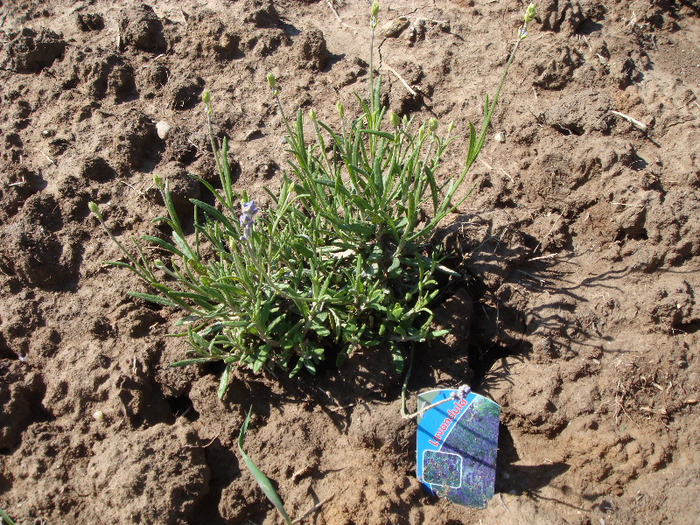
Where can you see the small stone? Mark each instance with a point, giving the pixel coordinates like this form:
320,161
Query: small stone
394,28
99,416
266,169
163,128
499,137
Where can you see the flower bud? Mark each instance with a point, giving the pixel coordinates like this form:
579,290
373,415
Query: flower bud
433,124
158,181
312,115
158,263
272,81
394,119
375,9
92,206
206,96
341,109
450,127
530,13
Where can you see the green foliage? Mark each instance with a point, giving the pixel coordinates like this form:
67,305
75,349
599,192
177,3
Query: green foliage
4,518
260,478
341,261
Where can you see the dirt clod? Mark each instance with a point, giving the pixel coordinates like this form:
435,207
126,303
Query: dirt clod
89,21
20,402
261,13
313,52
143,29
30,51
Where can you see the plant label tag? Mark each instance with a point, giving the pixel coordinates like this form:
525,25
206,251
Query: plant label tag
456,446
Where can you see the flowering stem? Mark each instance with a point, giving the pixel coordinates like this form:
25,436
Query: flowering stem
522,33
372,25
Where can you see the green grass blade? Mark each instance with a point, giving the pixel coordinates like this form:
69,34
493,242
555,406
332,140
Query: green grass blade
383,134
157,299
260,478
6,518
211,189
163,244
214,213
194,361
223,384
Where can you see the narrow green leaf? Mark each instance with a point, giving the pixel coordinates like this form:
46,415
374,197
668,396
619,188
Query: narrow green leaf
357,228
223,383
119,263
194,361
398,359
210,188
163,244
303,249
395,262
260,478
213,212
157,299
180,241
309,364
383,134
471,152
444,269
261,358
6,518
322,331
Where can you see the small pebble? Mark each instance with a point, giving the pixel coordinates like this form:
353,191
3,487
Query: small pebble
99,416
394,28
499,137
163,128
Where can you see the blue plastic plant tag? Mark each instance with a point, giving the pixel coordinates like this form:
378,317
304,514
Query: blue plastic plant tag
456,446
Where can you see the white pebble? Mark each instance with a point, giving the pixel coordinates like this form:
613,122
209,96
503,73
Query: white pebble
99,416
499,137
163,128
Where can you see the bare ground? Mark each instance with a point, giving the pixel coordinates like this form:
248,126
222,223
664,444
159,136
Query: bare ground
580,246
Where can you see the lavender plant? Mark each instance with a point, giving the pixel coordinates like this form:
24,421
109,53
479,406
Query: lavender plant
341,262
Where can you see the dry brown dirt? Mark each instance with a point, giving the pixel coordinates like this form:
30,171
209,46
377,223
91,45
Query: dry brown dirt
580,246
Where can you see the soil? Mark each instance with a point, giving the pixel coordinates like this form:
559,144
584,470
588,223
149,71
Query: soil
580,247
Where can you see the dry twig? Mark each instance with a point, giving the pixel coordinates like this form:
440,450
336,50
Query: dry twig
49,158
631,120
409,88
330,4
313,509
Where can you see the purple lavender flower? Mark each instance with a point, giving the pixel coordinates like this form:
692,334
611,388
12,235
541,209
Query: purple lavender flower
246,218
249,208
462,392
